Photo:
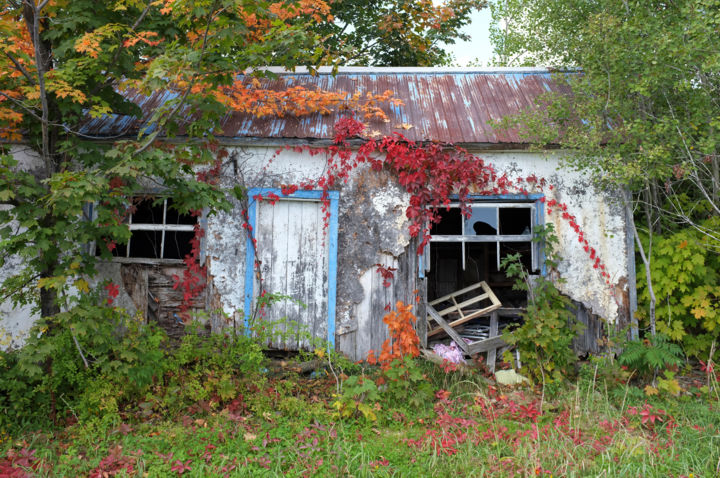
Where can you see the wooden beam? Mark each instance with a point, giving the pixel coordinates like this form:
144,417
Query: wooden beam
458,292
492,353
461,305
486,345
450,331
467,318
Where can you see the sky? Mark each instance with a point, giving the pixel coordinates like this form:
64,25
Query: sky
479,46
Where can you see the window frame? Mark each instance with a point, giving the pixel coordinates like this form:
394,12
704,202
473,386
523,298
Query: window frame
164,227
144,226
533,202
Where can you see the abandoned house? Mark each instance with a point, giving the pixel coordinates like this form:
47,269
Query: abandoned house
332,268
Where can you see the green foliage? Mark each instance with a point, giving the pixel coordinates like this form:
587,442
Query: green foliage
403,385
221,353
647,355
397,32
124,355
545,337
407,384
280,330
208,368
687,285
643,117
359,395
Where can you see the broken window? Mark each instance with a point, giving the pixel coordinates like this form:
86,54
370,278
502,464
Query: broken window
158,231
467,250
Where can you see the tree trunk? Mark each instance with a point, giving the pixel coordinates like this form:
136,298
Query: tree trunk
715,179
645,259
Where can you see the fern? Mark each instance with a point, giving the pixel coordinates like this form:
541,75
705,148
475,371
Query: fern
647,355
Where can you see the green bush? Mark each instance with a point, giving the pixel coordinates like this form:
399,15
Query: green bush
545,337
686,280
208,369
49,374
648,355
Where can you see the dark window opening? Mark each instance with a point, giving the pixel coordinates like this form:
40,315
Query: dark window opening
143,211
491,232
177,244
450,222
158,231
515,221
145,244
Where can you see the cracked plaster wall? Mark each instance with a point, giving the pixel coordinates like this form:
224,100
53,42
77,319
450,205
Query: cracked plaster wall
373,230
602,219
373,227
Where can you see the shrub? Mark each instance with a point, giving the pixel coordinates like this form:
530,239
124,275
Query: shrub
648,355
686,280
545,336
83,363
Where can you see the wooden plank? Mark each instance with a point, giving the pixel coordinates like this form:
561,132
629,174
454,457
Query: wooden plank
493,298
467,318
488,294
447,328
459,292
135,281
463,304
492,353
510,311
318,290
486,345
294,272
362,312
382,297
272,249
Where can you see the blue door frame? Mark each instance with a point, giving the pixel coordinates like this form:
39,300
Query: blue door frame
332,235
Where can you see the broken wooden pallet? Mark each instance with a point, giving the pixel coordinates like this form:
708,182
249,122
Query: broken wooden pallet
457,308
490,344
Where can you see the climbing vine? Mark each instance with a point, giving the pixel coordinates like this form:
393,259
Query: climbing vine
433,174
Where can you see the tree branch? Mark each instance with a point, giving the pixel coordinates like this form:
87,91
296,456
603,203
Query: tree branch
34,27
82,355
181,102
20,68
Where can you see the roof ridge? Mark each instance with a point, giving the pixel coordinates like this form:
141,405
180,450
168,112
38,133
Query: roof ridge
327,70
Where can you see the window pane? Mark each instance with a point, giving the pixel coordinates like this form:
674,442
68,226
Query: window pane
174,217
515,220
177,244
482,222
524,248
145,244
147,213
445,276
450,222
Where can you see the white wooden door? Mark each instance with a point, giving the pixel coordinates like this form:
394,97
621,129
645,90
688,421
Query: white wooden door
292,248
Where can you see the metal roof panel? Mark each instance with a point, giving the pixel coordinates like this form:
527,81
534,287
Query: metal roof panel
452,105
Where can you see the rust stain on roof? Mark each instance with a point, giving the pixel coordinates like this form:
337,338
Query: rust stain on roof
447,105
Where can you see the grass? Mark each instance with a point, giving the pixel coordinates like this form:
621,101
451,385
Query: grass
288,427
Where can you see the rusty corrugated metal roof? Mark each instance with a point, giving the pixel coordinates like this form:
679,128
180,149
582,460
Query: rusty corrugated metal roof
452,105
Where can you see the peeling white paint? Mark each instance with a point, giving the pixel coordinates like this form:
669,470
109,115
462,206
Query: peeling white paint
600,216
386,235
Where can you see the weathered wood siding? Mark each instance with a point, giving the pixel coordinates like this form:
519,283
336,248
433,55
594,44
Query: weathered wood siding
590,339
371,331
152,289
